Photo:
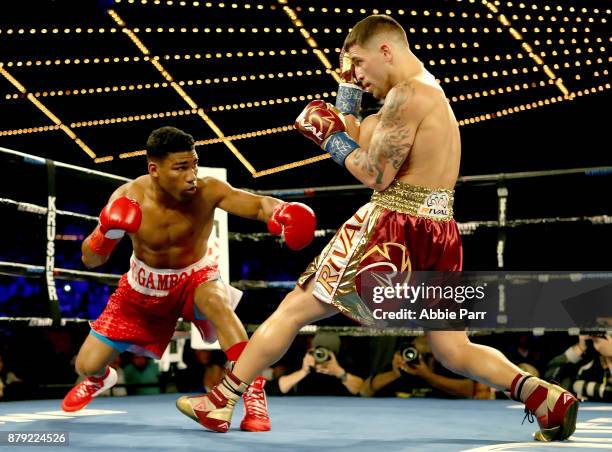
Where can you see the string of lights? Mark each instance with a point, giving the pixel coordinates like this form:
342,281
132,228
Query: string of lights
256,30
132,118
186,98
103,159
26,131
48,113
148,30
424,30
442,45
160,85
309,39
527,48
269,131
546,7
499,90
224,107
291,165
276,53
204,56
302,98
56,30
324,10
100,122
175,113
159,115
576,50
310,9
600,74
552,30
196,4
456,78
562,41
463,122
524,70
565,49
487,74
573,45
241,136
534,104
67,61
147,58
459,98
564,19
392,12
587,63
242,78
363,11
253,134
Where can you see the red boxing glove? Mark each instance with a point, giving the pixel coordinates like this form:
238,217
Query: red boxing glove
118,217
318,121
295,221
324,124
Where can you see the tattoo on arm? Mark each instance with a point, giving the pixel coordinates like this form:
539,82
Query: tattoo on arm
391,141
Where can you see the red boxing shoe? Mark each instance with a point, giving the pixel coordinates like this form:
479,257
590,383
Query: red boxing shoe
214,410
555,408
256,417
85,391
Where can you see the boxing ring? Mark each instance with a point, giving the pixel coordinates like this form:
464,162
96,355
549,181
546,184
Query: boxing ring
307,423
299,423
49,271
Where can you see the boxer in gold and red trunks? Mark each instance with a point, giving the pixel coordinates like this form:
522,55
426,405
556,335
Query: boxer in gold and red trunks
409,153
168,215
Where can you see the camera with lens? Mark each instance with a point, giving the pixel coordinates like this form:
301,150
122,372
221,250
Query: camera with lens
410,354
320,354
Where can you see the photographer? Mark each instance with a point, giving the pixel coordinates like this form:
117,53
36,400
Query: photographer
585,368
415,373
321,374
11,386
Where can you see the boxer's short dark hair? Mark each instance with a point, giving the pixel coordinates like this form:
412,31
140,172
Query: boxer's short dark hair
371,26
168,139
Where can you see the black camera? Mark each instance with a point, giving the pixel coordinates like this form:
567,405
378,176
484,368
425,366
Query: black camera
410,354
320,354
599,334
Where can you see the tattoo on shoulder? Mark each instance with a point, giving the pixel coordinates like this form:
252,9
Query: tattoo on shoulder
392,140
398,99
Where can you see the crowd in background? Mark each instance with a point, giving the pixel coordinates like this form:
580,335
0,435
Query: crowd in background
324,364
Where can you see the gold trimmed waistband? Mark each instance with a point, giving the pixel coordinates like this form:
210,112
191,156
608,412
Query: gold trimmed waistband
436,204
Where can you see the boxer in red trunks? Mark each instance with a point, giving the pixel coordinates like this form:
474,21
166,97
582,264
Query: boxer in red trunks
168,215
409,154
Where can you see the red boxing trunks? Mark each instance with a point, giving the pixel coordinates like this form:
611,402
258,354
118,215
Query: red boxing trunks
141,314
403,228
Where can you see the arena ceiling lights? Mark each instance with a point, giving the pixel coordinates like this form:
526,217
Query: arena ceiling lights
239,72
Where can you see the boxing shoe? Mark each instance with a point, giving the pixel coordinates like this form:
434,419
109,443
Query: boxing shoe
555,408
256,417
214,410
86,390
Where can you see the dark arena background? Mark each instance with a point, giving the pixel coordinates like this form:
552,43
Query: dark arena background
83,84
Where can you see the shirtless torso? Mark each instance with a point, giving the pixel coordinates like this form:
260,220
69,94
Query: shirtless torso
172,236
433,159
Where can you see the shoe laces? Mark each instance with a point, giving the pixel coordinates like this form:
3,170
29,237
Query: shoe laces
88,387
528,416
255,403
